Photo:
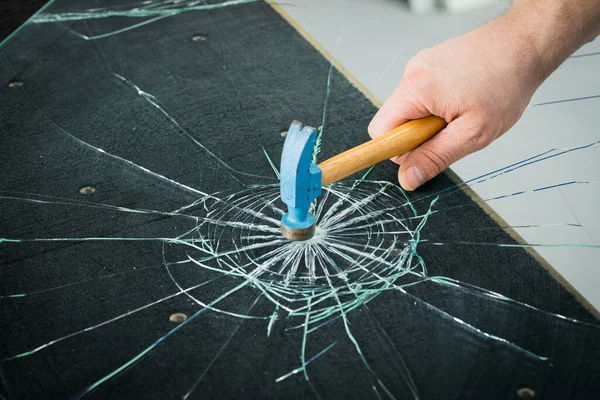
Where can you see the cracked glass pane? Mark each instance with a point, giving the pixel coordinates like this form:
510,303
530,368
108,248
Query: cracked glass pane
140,244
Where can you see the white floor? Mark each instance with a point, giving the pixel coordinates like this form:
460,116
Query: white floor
374,39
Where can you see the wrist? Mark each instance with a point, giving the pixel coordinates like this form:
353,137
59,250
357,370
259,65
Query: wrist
516,51
553,30
531,35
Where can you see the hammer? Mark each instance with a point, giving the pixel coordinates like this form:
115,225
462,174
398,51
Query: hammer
301,179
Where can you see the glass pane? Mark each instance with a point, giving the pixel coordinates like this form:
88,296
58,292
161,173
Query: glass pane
141,254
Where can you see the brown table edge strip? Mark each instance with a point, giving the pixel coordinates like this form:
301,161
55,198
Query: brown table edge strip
455,178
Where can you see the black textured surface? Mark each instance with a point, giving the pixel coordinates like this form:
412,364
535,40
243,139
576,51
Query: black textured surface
15,13
233,92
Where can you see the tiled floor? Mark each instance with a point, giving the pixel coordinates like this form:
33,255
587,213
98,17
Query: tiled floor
374,39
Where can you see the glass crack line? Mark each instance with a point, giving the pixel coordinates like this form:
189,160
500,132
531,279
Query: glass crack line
106,322
303,368
68,202
442,280
137,12
544,156
103,152
241,103
304,337
351,336
523,245
144,352
152,13
585,54
272,320
153,100
29,294
189,392
99,239
518,193
408,379
321,128
466,325
565,100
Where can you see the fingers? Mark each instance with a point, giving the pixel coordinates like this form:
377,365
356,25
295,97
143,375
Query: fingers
437,154
462,136
396,110
398,159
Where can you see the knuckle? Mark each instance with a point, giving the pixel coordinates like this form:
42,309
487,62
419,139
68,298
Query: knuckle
473,135
479,141
412,65
415,67
421,76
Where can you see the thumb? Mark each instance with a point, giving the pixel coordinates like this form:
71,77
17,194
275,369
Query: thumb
396,110
454,142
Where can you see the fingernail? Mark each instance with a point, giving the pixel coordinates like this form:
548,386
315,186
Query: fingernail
413,178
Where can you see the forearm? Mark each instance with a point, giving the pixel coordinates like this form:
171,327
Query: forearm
554,29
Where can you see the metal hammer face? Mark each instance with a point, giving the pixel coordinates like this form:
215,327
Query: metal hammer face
300,182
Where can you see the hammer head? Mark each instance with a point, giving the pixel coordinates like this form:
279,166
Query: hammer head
300,182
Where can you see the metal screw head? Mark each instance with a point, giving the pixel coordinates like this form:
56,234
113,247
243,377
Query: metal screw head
177,318
526,393
87,190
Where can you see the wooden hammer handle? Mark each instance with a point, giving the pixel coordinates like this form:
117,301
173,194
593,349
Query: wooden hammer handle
395,142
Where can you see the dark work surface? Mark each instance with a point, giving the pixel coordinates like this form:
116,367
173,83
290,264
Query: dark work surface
231,94
14,13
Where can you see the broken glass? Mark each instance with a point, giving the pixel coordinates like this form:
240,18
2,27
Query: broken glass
140,246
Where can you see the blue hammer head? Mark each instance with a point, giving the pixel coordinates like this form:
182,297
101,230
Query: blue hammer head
300,182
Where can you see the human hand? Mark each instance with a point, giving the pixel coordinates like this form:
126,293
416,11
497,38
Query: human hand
479,82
